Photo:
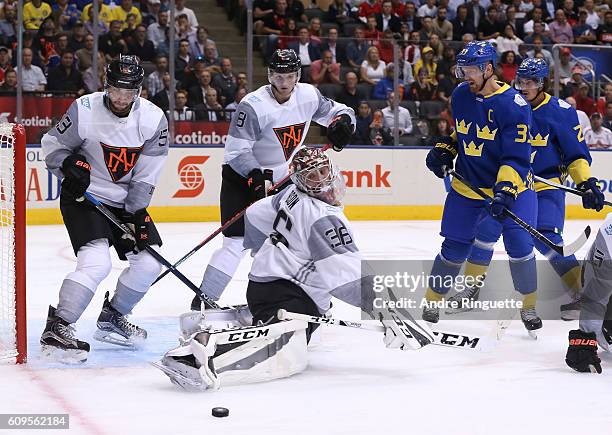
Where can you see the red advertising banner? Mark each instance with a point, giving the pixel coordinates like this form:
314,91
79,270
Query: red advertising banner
41,113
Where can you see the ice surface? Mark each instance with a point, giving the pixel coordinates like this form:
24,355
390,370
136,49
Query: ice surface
353,384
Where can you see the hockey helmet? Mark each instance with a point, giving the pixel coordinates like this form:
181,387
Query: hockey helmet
284,62
531,69
313,172
125,72
476,53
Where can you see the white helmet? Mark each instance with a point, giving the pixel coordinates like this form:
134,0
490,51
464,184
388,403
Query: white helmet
313,172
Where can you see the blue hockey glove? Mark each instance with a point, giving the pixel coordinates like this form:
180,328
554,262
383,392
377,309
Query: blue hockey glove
504,196
594,198
441,157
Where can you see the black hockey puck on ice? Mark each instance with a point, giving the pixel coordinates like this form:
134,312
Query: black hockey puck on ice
220,412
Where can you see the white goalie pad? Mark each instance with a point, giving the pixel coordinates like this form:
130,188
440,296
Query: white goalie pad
232,317
233,356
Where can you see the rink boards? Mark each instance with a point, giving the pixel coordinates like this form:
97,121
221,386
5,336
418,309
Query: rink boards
383,183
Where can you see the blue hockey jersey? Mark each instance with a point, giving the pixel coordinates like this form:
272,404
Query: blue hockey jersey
492,134
557,142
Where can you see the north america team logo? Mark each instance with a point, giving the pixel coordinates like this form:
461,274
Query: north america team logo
120,160
290,137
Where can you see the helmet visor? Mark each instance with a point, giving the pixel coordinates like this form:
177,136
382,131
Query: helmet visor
121,98
468,72
283,81
523,84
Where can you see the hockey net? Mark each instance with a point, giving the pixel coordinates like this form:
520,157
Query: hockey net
12,243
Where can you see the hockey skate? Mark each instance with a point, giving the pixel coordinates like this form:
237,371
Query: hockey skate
463,300
58,341
531,320
431,315
571,311
114,328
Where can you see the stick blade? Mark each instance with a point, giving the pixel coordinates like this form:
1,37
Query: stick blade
573,247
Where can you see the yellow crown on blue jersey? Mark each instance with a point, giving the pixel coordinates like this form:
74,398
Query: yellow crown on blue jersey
485,133
538,140
472,149
462,127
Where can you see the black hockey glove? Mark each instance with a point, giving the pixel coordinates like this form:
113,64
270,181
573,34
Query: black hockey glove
256,181
441,156
594,198
582,352
504,196
340,131
76,175
140,223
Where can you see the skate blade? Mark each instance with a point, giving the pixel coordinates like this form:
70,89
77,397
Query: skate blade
64,356
178,379
118,340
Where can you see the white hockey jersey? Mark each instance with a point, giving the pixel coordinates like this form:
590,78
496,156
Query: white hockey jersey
265,134
126,154
312,245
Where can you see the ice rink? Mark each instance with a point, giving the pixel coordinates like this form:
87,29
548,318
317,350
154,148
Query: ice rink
353,384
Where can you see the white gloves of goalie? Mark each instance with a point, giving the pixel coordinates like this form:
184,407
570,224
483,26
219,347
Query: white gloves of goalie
404,334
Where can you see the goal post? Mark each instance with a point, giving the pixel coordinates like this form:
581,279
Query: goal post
13,333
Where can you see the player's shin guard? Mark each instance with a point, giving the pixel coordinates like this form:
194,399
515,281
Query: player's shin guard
439,285
222,266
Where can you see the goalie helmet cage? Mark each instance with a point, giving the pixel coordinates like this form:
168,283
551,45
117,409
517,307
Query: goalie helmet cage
13,337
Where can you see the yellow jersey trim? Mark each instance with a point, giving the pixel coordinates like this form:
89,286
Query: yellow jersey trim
543,103
579,170
504,87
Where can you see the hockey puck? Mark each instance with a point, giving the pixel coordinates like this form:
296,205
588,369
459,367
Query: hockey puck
220,412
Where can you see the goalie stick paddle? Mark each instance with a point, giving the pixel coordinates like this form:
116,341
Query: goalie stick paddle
566,188
447,339
123,227
221,228
563,250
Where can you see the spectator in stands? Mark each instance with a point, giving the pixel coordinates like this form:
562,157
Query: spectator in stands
386,19
288,34
357,48
367,8
443,27
461,23
489,27
76,41
517,25
385,85
261,9
427,64
111,43
607,121
350,94
305,49
102,23
210,58
10,82
423,89
385,46
475,12
399,8
225,81
605,98
410,17
508,41
44,43
211,109
180,9
8,25
198,42
583,119
93,81
183,61
84,55
604,31
295,10
426,29
538,47
362,128
560,29
332,44
230,109
444,65
61,44
597,136
501,10
197,93
33,79
593,18
5,62
371,32
152,13
404,121
570,12
65,15
565,64
576,79
34,12
154,81
407,74
508,66
120,13
325,70
162,98
437,46
339,12
372,68
242,80
65,77
272,25
378,133
468,37
141,46
314,29
538,31
442,128
583,32
428,9
157,32
412,53
583,101
182,27
181,111
536,17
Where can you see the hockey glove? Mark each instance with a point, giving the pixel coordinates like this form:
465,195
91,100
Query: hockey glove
594,198
440,157
76,175
340,131
140,223
257,184
504,197
582,352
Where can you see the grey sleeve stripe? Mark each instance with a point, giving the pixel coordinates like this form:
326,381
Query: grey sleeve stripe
247,126
253,238
329,236
324,107
67,129
158,144
244,163
139,196
54,161
357,293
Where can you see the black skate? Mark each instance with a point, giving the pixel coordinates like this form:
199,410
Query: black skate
531,320
571,311
114,328
58,341
431,315
463,300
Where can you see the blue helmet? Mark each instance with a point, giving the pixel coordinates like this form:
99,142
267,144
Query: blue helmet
535,69
477,53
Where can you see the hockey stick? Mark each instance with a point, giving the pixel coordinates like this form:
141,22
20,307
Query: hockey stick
447,339
563,250
566,188
123,227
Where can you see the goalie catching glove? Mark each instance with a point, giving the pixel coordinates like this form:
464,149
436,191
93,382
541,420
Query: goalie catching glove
340,132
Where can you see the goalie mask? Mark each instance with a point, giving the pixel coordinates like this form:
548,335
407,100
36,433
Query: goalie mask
122,85
284,70
313,172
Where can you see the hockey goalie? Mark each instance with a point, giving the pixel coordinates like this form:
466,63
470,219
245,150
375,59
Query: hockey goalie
304,254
